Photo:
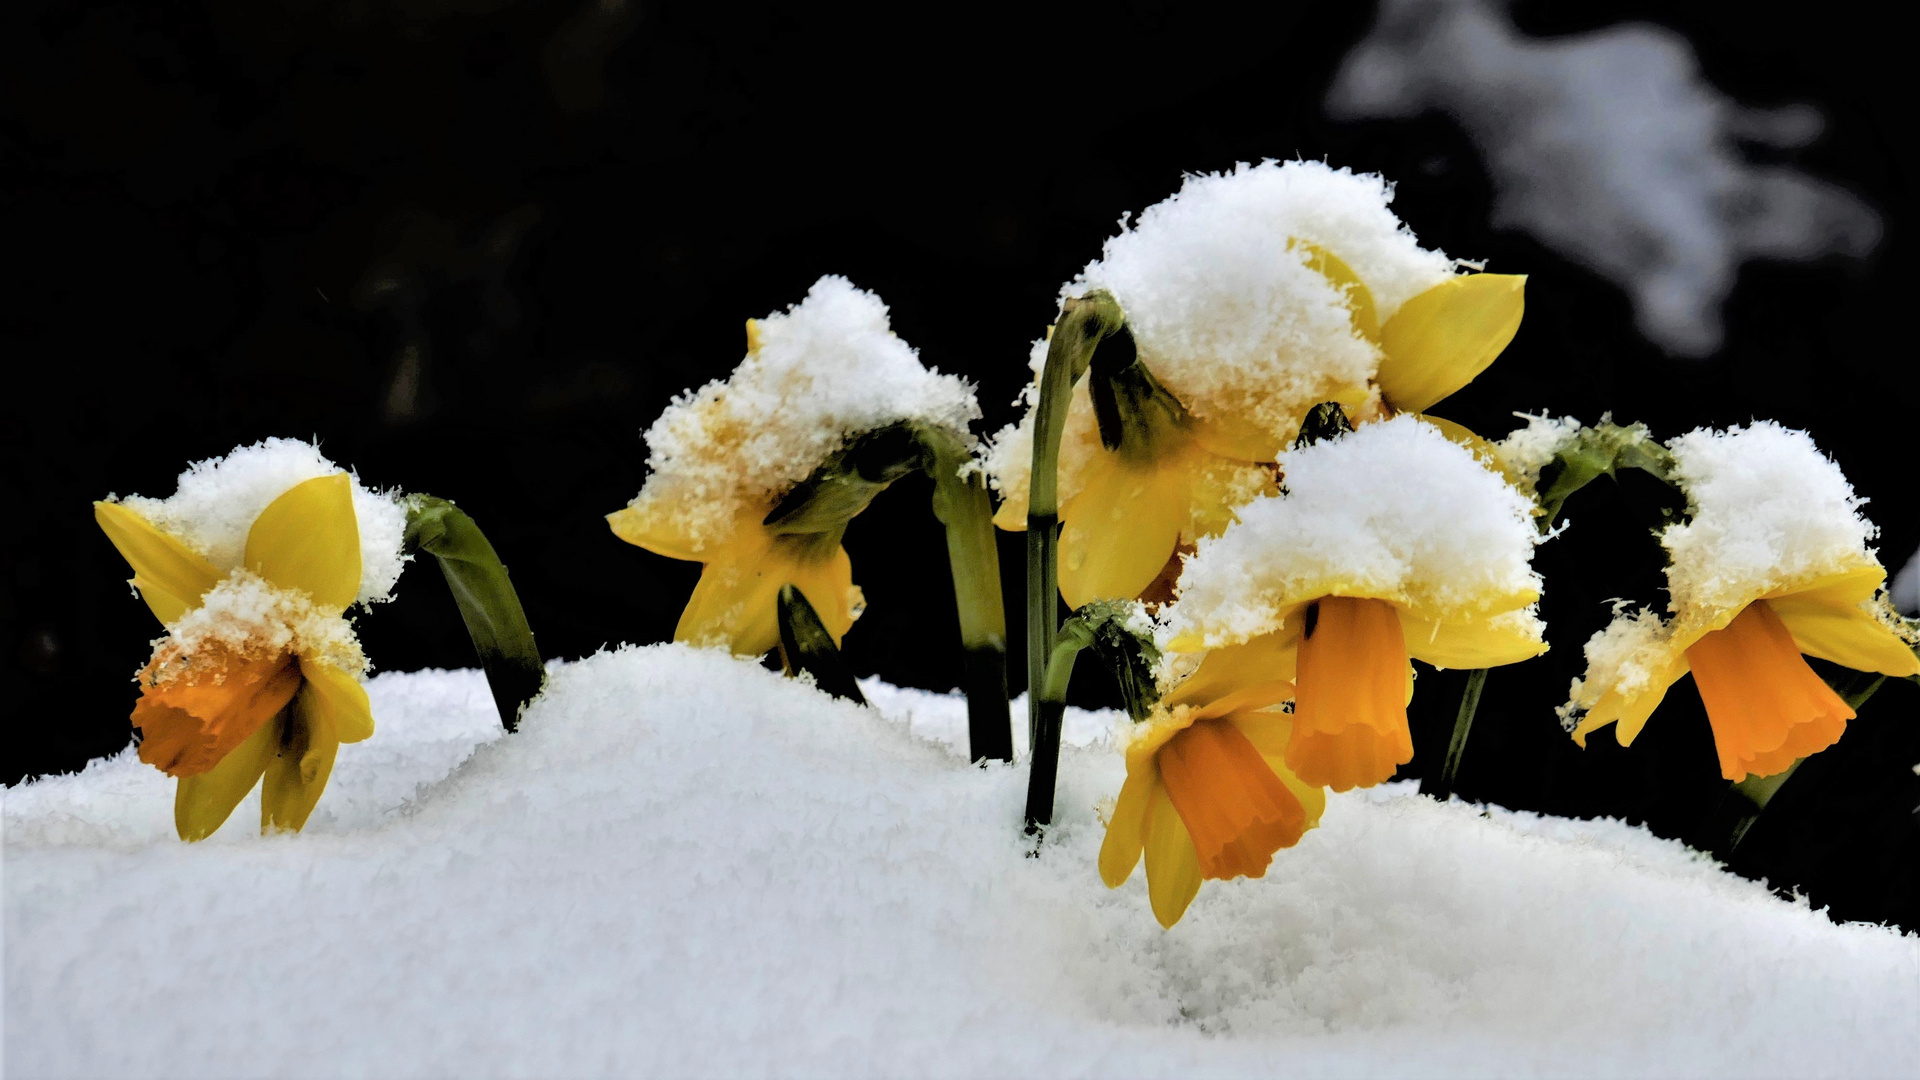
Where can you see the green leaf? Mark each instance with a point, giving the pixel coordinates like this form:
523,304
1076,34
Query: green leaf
486,598
806,646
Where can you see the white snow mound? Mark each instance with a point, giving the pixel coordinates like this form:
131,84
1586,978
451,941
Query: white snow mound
687,865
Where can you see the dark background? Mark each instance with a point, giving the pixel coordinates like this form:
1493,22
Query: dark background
474,246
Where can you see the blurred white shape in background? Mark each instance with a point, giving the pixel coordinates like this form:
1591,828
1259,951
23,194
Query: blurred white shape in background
1906,587
1611,149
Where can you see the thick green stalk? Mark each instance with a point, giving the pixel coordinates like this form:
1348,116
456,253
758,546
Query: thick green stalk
488,605
1083,322
1051,694
806,645
962,505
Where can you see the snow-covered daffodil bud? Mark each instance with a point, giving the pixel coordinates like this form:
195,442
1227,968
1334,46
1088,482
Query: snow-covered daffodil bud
250,565
756,476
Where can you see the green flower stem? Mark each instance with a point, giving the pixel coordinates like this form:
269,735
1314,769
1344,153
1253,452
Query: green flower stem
1125,647
961,503
488,605
1441,786
1051,696
1600,450
1749,797
1083,322
805,645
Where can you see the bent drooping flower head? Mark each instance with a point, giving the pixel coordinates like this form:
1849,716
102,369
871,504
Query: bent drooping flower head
723,458
250,565
1208,792
1250,297
1389,543
1771,565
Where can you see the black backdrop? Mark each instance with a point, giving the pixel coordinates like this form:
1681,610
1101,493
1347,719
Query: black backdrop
474,246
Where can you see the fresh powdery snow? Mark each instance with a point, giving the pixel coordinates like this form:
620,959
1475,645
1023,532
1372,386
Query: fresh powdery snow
687,865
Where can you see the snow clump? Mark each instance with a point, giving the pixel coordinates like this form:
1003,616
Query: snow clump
247,615
1766,510
215,502
1394,510
827,368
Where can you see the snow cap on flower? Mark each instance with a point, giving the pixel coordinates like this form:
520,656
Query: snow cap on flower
1393,511
248,616
1766,510
216,501
827,368
1223,304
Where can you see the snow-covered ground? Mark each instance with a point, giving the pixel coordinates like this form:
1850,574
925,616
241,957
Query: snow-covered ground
687,865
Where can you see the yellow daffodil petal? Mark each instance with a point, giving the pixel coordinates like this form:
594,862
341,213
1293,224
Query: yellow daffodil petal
657,533
1846,634
736,602
203,802
1012,515
1481,643
1173,868
1359,297
1127,827
1439,340
1120,528
1236,439
171,576
1219,488
309,539
1268,658
1844,589
1630,711
340,695
297,775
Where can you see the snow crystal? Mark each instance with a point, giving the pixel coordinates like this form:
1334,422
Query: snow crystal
827,368
1394,510
250,616
1221,301
1529,449
1766,510
687,865
216,500
1611,148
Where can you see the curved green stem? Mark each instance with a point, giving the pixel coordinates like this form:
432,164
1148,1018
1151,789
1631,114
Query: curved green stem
1083,322
1441,786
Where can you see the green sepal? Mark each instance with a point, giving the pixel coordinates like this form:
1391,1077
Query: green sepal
486,599
848,480
1600,450
1135,413
805,645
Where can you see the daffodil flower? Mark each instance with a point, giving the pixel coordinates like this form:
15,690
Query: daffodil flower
739,469
1391,543
1250,297
256,681
1770,567
734,604
1209,794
